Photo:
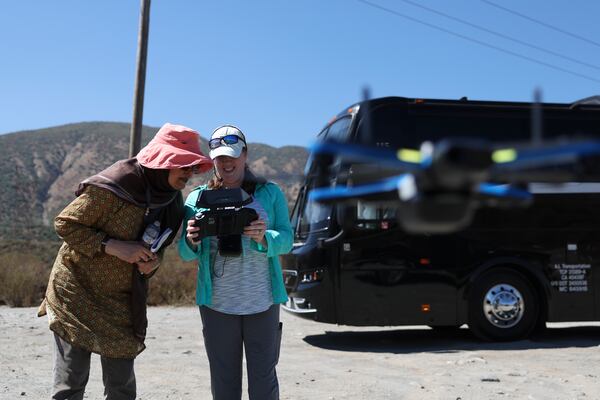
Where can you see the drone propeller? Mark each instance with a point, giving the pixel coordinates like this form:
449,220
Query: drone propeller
359,153
548,163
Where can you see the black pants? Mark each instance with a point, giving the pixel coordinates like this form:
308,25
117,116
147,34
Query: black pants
259,335
72,370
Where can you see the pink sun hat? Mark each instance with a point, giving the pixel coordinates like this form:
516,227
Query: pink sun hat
174,146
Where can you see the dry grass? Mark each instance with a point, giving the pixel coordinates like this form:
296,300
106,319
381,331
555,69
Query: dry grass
175,281
23,279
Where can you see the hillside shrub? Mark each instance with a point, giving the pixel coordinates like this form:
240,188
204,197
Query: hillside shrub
175,281
23,279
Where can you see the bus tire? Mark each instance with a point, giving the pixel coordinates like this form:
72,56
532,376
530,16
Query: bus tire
503,306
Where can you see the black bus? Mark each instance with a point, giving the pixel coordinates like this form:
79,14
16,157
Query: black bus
505,275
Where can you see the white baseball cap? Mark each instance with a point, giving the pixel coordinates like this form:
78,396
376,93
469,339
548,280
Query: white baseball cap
226,140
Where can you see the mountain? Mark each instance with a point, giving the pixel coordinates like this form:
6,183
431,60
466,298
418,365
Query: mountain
40,170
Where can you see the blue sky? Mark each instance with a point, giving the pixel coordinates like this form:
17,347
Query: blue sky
281,69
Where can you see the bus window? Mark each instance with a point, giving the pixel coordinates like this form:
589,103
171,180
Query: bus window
312,216
370,215
294,217
366,211
308,216
395,125
338,131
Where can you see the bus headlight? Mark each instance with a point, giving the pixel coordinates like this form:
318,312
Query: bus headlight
312,276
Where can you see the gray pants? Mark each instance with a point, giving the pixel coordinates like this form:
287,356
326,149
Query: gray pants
260,336
72,370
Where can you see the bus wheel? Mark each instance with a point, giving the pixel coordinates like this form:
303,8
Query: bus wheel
502,306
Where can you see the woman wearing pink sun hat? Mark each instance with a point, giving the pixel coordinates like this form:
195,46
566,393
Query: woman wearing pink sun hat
96,296
174,146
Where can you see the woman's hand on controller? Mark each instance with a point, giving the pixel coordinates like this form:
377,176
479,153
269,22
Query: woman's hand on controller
256,231
192,232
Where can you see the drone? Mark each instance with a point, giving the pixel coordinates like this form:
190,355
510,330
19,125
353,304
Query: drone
438,188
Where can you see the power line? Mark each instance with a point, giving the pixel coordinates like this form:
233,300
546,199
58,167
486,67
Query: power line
518,14
502,35
500,49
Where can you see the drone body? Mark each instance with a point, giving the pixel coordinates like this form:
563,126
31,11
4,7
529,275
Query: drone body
438,184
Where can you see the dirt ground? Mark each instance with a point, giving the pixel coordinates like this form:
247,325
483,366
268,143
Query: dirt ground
321,361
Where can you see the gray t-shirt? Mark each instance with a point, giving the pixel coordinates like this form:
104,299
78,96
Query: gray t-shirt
241,285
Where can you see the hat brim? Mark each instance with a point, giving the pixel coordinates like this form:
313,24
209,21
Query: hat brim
154,156
234,151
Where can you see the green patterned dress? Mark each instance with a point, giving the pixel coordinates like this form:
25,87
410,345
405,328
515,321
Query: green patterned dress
89,293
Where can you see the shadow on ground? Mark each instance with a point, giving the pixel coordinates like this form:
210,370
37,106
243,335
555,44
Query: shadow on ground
427,340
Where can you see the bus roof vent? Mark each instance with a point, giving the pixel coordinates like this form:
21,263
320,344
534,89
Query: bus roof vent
588,101
464,98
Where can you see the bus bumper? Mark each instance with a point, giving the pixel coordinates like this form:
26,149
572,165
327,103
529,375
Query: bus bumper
299,305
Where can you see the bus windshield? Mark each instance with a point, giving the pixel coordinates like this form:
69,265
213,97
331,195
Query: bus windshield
309,216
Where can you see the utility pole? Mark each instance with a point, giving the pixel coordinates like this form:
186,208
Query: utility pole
140,80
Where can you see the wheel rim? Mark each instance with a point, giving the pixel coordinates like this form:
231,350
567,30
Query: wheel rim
503,306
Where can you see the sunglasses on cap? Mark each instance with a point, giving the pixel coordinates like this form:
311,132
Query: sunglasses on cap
225,141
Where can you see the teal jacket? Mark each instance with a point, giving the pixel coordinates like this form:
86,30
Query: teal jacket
278,236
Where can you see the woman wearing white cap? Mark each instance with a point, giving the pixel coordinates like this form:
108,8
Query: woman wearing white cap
239,297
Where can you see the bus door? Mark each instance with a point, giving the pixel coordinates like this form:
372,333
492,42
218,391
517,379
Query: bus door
391,278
